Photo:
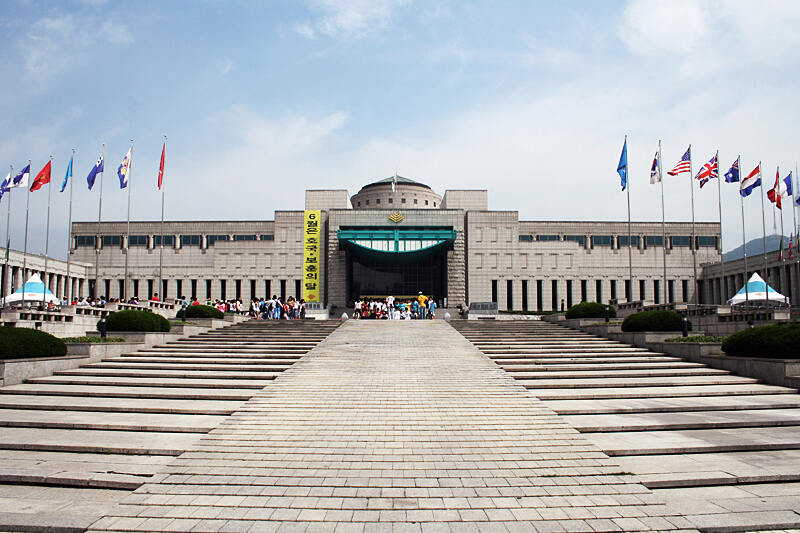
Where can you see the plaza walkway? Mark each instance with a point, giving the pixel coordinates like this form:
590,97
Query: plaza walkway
393,426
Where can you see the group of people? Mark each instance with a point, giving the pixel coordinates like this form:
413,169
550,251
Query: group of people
276,309
420,308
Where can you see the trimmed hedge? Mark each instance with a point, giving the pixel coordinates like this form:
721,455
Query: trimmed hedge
135,320
201,311
590,310
20,343
781,341
653,321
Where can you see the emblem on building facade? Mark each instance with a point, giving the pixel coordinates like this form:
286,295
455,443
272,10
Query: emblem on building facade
396,217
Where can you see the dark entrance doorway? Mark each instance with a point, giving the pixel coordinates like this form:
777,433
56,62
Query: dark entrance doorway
369,275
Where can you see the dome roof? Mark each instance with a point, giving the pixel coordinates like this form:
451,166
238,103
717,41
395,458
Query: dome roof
400,180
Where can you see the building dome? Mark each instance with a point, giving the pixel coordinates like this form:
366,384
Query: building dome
408,194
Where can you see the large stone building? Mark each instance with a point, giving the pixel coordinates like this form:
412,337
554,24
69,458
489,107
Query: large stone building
399,237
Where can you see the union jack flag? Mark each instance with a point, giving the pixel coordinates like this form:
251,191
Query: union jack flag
709,170
684,165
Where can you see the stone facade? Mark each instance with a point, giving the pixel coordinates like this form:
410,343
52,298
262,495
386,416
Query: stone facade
63,280
533,265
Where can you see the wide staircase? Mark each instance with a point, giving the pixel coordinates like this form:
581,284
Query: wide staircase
74,443
722,449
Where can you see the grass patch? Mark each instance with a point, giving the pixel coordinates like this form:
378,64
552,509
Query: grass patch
94,340
697,338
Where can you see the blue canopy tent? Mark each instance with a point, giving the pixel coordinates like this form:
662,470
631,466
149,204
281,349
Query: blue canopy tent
33,293
757,292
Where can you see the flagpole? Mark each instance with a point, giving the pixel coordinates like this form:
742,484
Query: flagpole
744,238
663,222
780,262
8,235
47,234
763,226
723,286
694,239
128,231
99,216
68,290
161,251
25,246
794,214
630,247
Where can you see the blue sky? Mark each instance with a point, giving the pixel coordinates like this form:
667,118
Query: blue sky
262,100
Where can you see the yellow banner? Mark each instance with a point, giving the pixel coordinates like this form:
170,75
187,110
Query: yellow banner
312,243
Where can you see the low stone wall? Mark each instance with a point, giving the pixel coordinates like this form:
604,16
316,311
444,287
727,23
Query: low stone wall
14,371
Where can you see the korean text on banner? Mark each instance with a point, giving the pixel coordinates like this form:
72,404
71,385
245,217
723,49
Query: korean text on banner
312,275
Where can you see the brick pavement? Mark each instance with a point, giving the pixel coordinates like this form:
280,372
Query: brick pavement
393,426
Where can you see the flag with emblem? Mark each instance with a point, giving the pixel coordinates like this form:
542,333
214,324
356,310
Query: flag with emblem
124,169
42,178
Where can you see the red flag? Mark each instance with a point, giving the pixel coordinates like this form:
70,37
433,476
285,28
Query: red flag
161,167
774,194
42,178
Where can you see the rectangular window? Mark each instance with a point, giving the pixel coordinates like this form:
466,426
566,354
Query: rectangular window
704,240
267,289
223,289
252,289
194,288
580,239
653,240
623,241
298,292
179,288
526,238
377,200
283,290
685,289
683,241
121,288
494,290
267,237
169,240
613,289
584,290
208,288
190,240
85,240
137,240
547,238
657,291
211,239
238,289
642,290
107,292
149,289
244,237
111,240
628,290
554,295
136,288
509,294
569,293
601,240
164,290
416,201
539,302
598,290
524,294
391,200
671,291
402,200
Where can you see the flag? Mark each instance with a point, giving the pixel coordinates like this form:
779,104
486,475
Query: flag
655,169
67,176
752,181
21,179
161,167
684,165
786,188
96,169
774,194
124,169
42,178
732,175
4,185
710,170
622,167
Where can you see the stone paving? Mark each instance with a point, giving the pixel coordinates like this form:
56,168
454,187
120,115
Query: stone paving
393,426
723,450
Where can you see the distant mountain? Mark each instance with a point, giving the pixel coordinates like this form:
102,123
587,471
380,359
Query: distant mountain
755,247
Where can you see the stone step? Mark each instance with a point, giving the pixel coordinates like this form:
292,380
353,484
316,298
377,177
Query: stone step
269,373
557,351
531,366
91,441
56,389
693,420
118,405
608,382
121,364
589,355
675,405
674,391
624,360
643,374
154,382
696,441
132,421
205,358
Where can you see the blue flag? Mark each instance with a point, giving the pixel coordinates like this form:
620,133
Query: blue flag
622,168
67,176
124,169
732,175
96,169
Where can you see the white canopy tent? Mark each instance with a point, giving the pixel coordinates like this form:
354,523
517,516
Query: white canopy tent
33,293
757,292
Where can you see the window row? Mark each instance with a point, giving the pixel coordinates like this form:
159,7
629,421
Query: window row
168,240
675,241
391,201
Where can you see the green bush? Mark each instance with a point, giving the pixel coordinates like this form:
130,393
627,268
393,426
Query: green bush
201,311
93,340
697,338
590,310
19,343
653,321
135,320
781,341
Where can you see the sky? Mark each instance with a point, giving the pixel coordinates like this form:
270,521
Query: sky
262,100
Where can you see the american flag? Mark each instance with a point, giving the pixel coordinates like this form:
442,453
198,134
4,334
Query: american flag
684,165
709,170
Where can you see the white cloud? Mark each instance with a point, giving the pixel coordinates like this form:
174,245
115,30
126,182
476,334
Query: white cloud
348,18
676,26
